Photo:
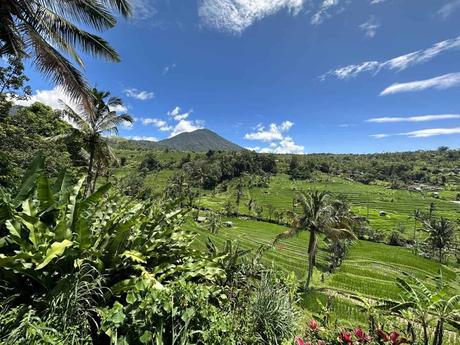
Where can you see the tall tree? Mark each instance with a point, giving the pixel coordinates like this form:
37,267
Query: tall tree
321,214
12,84
91,123
441,235
48,32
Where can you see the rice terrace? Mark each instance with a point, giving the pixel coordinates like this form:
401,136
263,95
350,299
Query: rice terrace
238,172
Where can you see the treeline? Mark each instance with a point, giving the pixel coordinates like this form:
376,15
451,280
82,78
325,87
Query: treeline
216,167
427,167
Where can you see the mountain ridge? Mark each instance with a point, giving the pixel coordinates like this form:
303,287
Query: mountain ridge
200,140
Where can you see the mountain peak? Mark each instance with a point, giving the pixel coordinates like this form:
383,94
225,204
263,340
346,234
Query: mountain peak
200,140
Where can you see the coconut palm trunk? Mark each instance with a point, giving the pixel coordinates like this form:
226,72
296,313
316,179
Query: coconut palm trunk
89,178
312,248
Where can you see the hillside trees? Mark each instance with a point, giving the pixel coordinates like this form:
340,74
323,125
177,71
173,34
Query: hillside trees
12,84
24,133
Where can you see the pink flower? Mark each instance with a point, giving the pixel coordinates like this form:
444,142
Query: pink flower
383,335
321,342
396,340
345,338
362,337
313,325
299,341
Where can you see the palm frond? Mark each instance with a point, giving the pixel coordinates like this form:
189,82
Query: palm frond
52,64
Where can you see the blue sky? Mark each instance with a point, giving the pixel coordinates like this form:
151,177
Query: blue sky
288,75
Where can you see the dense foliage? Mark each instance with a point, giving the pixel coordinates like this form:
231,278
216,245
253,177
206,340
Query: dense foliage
24,133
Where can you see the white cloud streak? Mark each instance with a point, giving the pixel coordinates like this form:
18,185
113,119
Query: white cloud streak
168,68
323,12
235,16
449,8
142,10
370,27
140,137
398,63
138,94
419,118
425,133
422,133
440,83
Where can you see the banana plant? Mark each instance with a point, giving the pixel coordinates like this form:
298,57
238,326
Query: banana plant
426,305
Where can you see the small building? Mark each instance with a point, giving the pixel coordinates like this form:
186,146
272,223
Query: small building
201,219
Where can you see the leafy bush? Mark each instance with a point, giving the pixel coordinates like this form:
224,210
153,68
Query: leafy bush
272,313
70,266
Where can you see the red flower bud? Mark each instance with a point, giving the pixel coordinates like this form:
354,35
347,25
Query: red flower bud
299,341
313,325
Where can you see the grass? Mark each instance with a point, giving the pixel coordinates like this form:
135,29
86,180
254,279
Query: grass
366,200
370,269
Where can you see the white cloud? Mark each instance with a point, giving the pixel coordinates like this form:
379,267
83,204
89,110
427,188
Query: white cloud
274,132
420,118
235,16
375,2
449,8
53,97
422,133
48,97
178,115
398,63
176,123
442,82
142,10
119,108
139,95
186,126
139,137
425,133
370,27
379,136
275,135
168,68
323,12
160,124
287,145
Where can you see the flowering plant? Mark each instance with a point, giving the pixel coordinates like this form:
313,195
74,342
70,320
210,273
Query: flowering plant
356,336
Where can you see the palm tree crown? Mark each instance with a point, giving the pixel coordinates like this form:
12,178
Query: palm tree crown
92,123
320,214
45,31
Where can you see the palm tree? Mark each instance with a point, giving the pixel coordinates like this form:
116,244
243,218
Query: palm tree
45,30
320,215
441,234
90,125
